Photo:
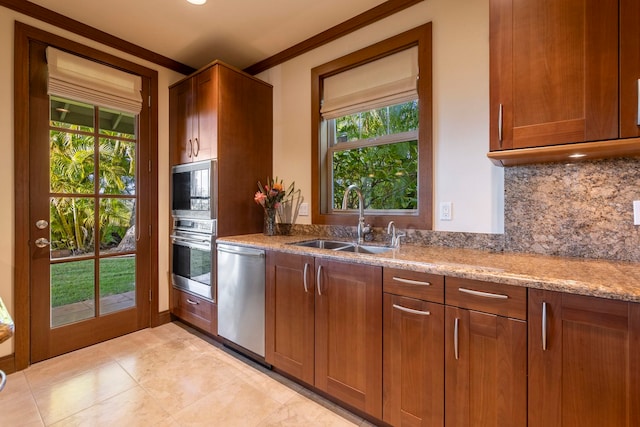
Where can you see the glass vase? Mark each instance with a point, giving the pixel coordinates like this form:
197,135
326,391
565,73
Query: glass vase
269,222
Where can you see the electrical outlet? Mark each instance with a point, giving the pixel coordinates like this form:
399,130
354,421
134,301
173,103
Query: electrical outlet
636,212
446,211
304,209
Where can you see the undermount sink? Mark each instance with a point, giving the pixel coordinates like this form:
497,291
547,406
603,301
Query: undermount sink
336,245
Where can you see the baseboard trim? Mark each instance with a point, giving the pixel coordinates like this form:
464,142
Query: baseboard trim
164,317
8,363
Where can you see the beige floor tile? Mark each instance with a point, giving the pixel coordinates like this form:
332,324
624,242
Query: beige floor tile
297,411
133,407
65,397
236,403
65,366
17,405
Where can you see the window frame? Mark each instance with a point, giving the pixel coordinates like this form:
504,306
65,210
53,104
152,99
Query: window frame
324,214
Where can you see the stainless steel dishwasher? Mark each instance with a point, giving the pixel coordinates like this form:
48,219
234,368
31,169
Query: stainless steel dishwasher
241,276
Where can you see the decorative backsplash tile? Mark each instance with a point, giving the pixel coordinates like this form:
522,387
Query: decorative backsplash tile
579,210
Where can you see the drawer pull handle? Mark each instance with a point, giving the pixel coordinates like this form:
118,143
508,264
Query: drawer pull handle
483,294
456,328
411,282
544,326
411,310
304,279
192,302
638,121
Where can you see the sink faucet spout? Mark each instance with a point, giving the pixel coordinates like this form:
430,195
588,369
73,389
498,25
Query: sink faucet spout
361,224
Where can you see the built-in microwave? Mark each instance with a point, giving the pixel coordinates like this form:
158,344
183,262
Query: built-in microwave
194,190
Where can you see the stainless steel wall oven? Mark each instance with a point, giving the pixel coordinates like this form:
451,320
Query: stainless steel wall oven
193,256
194,190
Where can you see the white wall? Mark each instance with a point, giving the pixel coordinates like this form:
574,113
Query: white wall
7,260
462,173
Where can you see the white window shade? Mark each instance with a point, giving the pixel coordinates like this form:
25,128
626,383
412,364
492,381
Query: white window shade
386,81
80,79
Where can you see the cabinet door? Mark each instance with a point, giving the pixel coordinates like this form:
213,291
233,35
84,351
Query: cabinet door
629,69
554,72
413,379
584,361
289,319
182,116
485,369
205,139
349,333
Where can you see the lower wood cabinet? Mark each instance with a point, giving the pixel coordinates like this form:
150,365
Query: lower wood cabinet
485,354
584,361
334,308
196,311
413,362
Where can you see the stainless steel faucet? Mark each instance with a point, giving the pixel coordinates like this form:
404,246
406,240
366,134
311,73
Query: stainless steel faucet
395,238
362,227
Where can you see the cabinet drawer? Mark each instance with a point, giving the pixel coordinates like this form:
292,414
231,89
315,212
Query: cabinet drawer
196,311
414,284
495,298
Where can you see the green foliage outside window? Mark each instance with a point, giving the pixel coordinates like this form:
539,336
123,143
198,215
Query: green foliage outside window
73,172
386,172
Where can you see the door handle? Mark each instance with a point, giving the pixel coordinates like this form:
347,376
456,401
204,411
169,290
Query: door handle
42,242
456,329
196,147
318,279
544,326
41,224
304,277
190,149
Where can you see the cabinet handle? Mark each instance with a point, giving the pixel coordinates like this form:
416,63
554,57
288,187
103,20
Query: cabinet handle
192,302
544,326
318,280
411,282
411,310
196,150
190,148
456,328
638,121
483,294
500,125
304,278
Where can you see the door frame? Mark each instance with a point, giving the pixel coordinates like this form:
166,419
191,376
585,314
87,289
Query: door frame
24,34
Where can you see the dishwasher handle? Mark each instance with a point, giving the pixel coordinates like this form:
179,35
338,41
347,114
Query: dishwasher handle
243,252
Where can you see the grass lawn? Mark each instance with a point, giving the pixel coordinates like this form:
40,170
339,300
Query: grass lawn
73,281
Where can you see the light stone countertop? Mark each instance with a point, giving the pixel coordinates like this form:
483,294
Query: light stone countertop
601,278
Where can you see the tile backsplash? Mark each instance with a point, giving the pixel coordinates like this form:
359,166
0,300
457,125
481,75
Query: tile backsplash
581,209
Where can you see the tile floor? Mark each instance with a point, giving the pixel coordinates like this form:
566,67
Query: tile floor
165,376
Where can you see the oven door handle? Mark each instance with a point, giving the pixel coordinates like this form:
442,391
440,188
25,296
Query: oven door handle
191,242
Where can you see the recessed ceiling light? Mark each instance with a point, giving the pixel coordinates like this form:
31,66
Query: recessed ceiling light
198,2
577,155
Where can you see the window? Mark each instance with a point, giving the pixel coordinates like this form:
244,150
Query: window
372,128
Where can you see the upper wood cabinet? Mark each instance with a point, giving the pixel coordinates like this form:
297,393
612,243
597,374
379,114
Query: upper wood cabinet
584,361
223,113
193,119
563,72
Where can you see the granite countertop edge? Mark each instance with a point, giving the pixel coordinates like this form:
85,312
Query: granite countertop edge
618,280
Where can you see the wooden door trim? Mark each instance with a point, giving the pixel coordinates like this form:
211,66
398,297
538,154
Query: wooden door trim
24,34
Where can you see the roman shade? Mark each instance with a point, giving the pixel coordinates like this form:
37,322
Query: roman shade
80,79
386,81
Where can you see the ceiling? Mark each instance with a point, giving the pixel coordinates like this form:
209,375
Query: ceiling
239,32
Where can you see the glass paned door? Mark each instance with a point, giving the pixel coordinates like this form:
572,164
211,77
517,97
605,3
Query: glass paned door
92,186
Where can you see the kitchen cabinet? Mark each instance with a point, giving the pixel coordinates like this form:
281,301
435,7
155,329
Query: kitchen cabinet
345,302
223,113
196,311
193,118
584,361
564,72
485,354
413,356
